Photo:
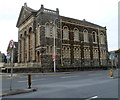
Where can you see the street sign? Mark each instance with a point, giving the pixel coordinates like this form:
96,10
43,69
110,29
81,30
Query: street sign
11,44
8,58
53,56
112,57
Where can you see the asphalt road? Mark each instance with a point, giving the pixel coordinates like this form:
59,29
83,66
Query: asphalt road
87,84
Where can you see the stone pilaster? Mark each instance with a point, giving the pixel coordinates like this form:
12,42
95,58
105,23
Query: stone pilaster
27,46
25,50
22,50
33,47
19,51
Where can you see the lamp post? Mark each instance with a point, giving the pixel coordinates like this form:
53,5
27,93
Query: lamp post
54,53
54,48
12,48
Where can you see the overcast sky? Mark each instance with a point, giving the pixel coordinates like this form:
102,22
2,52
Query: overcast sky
101,12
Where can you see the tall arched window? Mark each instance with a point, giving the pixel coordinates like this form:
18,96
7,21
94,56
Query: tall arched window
30,44
76,34
65,33
102,38
94,36
47,30
25,33
38,35
85,35
50,30
30,37
25,45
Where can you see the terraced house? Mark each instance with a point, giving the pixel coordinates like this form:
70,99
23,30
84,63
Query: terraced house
78,43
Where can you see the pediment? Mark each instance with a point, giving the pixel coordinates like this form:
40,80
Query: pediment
24,14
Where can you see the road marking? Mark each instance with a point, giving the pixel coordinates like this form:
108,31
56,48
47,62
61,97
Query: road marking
32,80
68,76
92,98
22,77
39,79
23,81
8,78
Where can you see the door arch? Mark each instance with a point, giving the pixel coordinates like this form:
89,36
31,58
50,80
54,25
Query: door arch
38,56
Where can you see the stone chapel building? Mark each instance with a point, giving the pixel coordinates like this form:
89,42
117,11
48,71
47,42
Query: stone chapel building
78,43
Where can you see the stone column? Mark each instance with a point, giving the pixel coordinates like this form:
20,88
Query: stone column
22,49
27,46
19,51
33,47
25,49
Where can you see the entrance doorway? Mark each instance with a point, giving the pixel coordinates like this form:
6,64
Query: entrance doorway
38,56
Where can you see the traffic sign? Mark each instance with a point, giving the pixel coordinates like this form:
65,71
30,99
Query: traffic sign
11,43
112,57
53,56
8,58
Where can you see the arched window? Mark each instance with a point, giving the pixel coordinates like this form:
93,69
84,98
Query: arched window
86,53
50,30
30,37
77,52
102,38
25,33
30,30
30,43
66,52
47,30
94,36
85,35
25,45
38,35
76,34
65,33
20,35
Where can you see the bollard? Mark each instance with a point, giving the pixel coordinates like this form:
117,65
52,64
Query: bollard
111,73
29,81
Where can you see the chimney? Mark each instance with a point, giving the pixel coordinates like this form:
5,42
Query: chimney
84,20
57,11
25,4
42,6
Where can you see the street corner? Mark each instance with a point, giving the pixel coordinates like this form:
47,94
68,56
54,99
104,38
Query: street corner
18,91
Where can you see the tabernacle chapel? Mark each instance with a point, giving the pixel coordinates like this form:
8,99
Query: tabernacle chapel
44,36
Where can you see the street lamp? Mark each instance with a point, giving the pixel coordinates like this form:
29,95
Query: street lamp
12,48
54,50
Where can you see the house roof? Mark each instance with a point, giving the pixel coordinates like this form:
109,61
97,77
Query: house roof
25,10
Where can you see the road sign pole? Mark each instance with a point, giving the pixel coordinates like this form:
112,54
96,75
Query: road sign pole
12,65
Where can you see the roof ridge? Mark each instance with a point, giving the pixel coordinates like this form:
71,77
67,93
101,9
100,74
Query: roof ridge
82,21
30,9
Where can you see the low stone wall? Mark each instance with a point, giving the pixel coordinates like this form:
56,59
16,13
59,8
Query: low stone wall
49,69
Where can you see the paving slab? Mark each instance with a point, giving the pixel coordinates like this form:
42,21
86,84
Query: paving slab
17,91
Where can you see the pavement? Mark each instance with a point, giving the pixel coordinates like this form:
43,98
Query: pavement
17,91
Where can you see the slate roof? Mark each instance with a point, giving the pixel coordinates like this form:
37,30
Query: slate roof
84,22
29,9
32,11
